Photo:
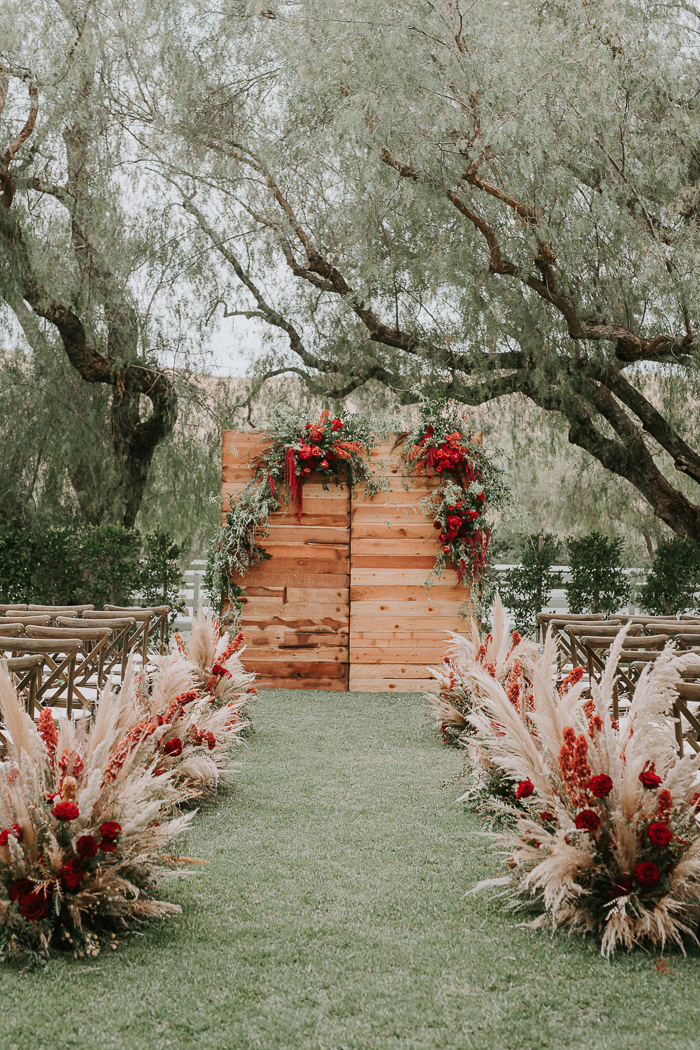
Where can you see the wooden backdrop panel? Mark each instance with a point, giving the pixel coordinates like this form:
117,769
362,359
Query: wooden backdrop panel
396,626
342,603
296,613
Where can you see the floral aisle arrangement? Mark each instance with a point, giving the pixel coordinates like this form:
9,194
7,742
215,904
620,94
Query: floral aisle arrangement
503,654
609,842
472,489
336,448
200,692
84,821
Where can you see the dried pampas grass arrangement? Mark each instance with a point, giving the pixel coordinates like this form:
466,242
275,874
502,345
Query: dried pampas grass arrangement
605,837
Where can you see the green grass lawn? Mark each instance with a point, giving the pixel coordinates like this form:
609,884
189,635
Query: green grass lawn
333,915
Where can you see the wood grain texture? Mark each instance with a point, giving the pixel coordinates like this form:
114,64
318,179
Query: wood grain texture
296,612
342,602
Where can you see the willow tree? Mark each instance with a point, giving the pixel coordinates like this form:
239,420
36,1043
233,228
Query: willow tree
81,257
467,198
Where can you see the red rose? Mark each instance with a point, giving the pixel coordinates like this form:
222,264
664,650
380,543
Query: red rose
446,549
65,811
20,888
71,876
307,427
659,834
34,906
437,525
323,464
454,522
600,786
587,820
318,452
86,846
649,777
110,829
647,873
525,789
173,747
337,425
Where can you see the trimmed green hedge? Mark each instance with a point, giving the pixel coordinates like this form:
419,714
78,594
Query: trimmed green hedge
99,564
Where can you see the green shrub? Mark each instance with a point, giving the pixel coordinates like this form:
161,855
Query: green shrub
672,584
526,589
160,575
598,582
62,566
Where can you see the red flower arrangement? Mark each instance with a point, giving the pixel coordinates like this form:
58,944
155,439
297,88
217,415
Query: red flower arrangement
471,487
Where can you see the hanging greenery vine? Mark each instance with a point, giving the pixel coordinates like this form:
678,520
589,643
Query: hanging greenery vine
336,448
472,489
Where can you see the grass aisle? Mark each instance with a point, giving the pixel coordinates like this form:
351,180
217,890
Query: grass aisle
332,916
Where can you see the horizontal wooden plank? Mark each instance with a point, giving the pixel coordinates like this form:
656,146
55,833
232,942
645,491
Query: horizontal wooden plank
385,624
401,592
256,608
292,669
378,561
298,623
319,654
269,576
397,546
392,577
436,610
384,685
327,684
325,552
422,656
405,670
406,527
293,533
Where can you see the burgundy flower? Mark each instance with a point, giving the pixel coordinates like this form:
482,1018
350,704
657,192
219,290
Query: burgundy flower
110,829
600,786
108,845
660,835
15,830
646,873
34,906
664,802
173,747
71,876
587,820
86,846
65,811
454,522
525,789
437,525
649,777
20,888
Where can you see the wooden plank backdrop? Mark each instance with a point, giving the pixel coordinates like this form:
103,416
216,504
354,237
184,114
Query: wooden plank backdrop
342,603
296,614
396,626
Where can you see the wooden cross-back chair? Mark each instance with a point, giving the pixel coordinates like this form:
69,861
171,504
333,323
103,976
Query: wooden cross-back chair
157,622
686,722
115,653
61,656
579,633
25,672
544,620
90,668
559,625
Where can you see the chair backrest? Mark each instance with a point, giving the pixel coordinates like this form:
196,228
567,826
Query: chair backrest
64,609
24,663
91,634
39,645
138,608
36,619
92,623
12,608
111,614
11,630
647,641
591,630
